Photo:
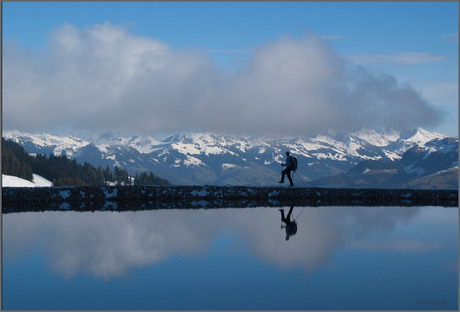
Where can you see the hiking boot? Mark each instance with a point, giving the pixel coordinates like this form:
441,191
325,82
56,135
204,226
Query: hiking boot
281,181
292,185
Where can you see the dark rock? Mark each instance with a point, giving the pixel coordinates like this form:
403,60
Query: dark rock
120,198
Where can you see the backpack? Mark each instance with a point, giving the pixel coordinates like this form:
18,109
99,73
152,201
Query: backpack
294,160
291,229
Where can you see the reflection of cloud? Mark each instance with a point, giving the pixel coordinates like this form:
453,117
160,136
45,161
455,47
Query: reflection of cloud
316,239
106,244
450,266
396,245
431,216
321,232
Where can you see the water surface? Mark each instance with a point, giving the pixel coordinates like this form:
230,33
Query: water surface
340,258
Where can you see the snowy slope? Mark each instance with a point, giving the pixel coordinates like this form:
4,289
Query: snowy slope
433,165
378,138
46,143
11,181
208,158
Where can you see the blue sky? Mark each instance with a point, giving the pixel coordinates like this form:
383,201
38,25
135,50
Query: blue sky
416,43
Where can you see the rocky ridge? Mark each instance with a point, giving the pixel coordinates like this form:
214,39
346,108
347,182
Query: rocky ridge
207,158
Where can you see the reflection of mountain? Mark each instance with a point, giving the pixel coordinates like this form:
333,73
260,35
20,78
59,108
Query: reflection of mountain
106,244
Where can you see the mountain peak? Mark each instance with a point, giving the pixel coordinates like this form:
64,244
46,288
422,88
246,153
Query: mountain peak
420,136
381,137
210,158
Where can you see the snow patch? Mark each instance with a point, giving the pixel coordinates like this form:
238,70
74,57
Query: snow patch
64,194
201,193
377,138
386,171
191,161
229,166
392,155
62,144
201,203
112,194
339,157
176,163
12,181
64,206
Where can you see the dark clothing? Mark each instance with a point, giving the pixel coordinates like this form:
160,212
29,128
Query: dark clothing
290,163
287,172
291,226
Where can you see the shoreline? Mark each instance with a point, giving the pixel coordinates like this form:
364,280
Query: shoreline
125,198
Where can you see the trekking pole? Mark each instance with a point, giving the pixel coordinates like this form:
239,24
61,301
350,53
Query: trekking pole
299,177
295,219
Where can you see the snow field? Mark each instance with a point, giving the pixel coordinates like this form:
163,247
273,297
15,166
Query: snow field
11,181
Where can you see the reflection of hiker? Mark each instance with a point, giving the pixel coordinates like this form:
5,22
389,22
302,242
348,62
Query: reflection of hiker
291,164
291,226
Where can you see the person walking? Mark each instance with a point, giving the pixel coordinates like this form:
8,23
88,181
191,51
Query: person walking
290,165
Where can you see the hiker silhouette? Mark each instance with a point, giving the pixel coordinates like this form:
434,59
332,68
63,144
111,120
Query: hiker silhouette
290,165
291,226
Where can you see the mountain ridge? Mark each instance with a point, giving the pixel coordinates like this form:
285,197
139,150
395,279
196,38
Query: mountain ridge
214,159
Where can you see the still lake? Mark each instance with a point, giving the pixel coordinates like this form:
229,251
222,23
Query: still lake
236,258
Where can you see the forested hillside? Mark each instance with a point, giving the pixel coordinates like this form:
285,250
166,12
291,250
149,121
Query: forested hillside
63,171
15,161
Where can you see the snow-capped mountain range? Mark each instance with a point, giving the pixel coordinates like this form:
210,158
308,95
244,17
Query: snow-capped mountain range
207,158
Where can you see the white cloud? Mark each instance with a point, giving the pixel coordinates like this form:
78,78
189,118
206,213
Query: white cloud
330,37
443,93
104,78
404,58
451,37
